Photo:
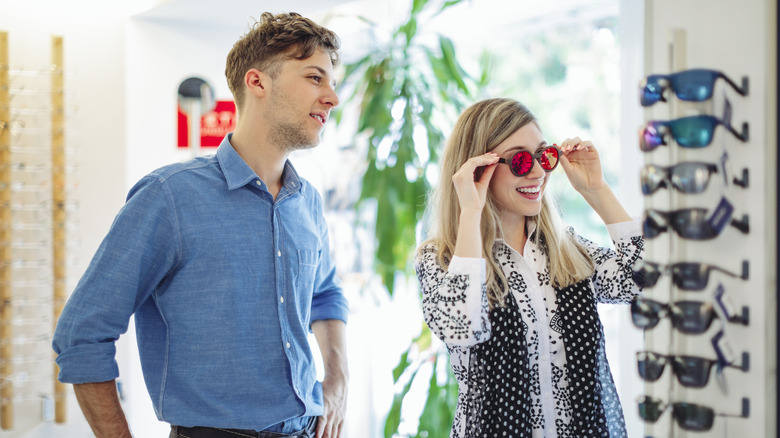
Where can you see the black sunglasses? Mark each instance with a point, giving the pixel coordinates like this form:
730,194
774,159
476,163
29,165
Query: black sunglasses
695,85
689,223
689,416
691,371
689,276
689,317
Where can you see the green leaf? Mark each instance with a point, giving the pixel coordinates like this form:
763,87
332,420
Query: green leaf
394,416
448,54
403,364
417,6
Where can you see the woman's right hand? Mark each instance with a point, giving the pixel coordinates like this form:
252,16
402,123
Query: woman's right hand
472,194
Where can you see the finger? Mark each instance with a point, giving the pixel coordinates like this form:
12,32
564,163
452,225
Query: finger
321,423
472,164
328,430
337,431
487,174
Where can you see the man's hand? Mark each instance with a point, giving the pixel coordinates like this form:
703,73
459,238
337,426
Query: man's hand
334,391
331,338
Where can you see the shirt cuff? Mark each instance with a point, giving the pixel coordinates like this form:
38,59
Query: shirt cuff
88,363
336,308
471,266
625,230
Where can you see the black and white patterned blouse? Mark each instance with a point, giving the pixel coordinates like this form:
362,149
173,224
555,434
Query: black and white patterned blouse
535,367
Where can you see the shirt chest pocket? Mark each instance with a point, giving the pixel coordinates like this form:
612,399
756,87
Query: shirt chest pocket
306,271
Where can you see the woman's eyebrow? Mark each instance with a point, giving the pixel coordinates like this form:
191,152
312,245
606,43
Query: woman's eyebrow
541,147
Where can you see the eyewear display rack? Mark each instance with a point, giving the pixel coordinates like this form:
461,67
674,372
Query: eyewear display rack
34,192
737,39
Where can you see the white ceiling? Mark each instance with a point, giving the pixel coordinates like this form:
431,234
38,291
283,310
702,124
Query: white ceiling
229,13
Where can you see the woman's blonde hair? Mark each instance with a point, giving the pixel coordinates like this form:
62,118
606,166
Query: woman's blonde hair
482,127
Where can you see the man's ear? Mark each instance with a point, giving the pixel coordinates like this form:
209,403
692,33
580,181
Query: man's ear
257,83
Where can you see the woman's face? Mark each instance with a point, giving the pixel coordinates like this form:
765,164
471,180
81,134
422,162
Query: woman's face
519,196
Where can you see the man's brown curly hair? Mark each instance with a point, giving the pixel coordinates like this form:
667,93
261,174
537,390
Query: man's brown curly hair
272,40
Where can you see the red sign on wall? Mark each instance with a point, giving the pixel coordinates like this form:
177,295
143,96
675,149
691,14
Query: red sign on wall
214,125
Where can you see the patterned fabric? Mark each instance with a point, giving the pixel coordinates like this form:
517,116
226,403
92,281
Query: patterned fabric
522,368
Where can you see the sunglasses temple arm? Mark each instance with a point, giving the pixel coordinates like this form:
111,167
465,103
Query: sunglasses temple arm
745,410
745,363
741,90
745,271
744,136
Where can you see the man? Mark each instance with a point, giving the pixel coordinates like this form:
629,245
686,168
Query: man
224,261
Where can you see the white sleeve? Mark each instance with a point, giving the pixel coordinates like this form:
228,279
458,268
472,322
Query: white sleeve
454,300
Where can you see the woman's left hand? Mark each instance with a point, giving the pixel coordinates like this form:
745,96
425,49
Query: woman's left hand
580,161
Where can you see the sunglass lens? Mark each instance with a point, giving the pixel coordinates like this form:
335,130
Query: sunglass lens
693,372
650,365
652,178
652,225
651,92
692,317
646,274
645,313
691,177
690,276
549,159
522,162
692,223
694,85
693,417
651,137
693,131
650,409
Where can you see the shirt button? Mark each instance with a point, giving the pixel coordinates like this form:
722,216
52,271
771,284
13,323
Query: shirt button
278,253
287,345
258,182
281,299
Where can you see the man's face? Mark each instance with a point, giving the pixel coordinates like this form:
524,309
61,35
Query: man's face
299,101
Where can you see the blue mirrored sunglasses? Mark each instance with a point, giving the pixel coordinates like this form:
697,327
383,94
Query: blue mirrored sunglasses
695,85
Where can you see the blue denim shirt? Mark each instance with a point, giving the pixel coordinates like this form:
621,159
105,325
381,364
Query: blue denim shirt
224,282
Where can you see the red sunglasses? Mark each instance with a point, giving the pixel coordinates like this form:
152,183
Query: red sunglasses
522,162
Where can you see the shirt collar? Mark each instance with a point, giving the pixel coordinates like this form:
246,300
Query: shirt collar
238,173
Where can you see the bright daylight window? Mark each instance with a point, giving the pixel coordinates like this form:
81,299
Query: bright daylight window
561,59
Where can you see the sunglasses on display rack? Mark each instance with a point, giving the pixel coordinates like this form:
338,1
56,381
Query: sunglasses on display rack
522,162
689,416
695,85
689,317
688,276
691,223
689,132
691,371
688,177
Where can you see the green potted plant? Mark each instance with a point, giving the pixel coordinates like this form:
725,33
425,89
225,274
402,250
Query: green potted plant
410,91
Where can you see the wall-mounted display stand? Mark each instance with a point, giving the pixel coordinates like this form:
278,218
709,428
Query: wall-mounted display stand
58,196
36,188
709,305
6,330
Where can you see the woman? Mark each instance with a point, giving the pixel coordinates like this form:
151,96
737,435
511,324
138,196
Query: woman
513,293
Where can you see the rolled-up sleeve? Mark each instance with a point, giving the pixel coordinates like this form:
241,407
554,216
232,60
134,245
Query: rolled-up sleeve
138,251
328,300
